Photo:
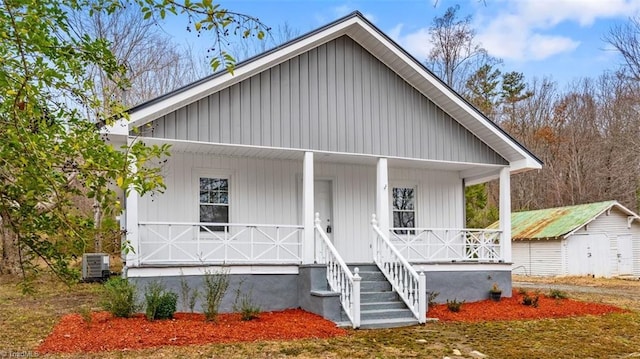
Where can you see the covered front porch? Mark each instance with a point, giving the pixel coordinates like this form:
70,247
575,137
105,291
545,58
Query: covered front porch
271,201
287,209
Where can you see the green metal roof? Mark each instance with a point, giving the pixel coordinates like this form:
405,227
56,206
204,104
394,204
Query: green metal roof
556,222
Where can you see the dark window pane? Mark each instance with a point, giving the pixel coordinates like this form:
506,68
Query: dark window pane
404,220
214,214
223,184
397,219
204,184
408,220
223,197
403,198
204,196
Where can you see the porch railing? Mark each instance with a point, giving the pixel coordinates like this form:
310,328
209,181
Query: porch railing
201,243
404,279
339,276
447,245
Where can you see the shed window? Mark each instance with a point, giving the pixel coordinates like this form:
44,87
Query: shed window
404,209
214,202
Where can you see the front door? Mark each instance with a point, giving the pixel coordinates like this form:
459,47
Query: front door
323,204
625,254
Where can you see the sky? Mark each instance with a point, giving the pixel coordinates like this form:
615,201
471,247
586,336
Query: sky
560,39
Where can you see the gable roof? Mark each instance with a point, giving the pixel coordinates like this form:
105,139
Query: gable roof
558,222
383,48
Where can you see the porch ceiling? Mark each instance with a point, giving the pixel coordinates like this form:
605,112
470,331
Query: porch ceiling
465,169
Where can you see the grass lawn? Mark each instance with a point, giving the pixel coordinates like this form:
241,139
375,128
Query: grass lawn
25,320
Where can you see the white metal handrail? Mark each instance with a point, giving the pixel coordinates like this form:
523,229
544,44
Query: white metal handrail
339,276
405,280
447,244
194,242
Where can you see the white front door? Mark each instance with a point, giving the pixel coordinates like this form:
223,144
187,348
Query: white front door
625,254
323,203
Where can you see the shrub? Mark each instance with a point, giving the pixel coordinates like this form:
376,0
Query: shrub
557,294
189,296
119,297
244,304
530,300
215,286
160,304
431,298
454,305
522,291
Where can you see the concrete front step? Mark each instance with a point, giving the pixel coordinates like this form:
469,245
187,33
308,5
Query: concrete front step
387,323
375,286
363,268
380,323
386,314
375,297
372,276
382,305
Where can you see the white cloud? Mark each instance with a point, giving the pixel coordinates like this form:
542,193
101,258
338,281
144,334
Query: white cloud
540,46
371,17
342,10
416,43
526,29
584,12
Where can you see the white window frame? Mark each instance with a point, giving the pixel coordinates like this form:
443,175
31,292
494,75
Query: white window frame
392,209
204,173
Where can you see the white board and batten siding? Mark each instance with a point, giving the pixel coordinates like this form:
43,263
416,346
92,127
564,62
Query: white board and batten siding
266,191
537,257
612,225
337,97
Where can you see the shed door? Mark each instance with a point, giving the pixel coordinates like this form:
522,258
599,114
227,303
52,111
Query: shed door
588,255
625,254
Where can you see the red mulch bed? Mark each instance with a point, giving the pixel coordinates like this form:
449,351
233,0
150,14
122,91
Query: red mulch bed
513,309
104,333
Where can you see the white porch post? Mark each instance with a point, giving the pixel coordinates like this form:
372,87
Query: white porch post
505,214
308,244
382,195
133,231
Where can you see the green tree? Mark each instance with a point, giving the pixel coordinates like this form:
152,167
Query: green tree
479,212
482,89
50,148
513,90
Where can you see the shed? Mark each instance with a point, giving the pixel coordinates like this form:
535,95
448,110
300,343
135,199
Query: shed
599,239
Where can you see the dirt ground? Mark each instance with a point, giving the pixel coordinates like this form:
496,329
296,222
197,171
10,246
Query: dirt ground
622,292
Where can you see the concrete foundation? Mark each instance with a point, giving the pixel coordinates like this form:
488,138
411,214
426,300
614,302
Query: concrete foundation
308,289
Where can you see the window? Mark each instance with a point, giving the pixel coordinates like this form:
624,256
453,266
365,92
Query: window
214,202
404,210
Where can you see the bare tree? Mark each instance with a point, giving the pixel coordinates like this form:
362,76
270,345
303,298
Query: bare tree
247,48
154,63
455,54
626,39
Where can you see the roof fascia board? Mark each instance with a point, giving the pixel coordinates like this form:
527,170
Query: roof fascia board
524,164
224,80
476,176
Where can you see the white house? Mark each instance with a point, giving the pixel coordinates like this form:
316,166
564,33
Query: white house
344,123
598,239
